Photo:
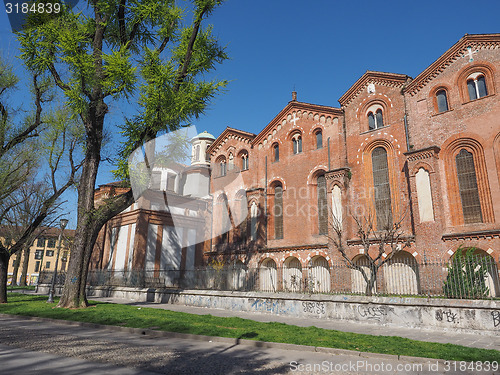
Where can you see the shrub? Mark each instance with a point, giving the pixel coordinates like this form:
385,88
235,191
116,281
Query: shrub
467,275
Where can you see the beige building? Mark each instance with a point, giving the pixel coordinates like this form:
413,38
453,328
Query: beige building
42,255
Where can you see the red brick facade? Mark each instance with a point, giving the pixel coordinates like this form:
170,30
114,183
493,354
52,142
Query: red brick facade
415,137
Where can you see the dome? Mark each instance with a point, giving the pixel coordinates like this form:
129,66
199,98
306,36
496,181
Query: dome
204,135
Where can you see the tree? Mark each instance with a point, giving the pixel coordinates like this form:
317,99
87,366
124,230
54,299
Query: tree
116,50
22,140
388,241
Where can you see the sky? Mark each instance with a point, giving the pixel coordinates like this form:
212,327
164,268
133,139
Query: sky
317,47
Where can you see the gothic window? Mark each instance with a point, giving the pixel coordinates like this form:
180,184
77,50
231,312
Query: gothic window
276,152
383,209
476,86
322,206
467,185
222,167
442,101
278,211
376,120
297,143
319,139
244,161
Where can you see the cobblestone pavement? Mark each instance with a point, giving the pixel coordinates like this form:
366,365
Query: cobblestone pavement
21,342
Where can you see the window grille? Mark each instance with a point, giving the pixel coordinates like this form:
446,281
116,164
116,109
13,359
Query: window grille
278,212
467,185
322,206
382,187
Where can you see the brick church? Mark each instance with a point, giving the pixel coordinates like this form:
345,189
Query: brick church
424,151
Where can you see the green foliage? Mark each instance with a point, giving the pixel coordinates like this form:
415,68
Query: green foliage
467,275
165,320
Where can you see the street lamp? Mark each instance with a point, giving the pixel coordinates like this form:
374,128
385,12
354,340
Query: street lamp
52,289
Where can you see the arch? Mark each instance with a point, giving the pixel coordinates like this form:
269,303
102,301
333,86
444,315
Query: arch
222,220
318,280
322,205
240,216
437,101
358,282
243,158
372,106
401,275
318,133
480,272
292,274
237,276
424,195
268,275
276,152
278,211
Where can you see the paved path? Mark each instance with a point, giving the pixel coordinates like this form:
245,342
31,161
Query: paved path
48,347
472,340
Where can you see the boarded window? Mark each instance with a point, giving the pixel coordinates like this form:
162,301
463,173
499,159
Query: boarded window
383,209
322,206
171,182
278,211
155,180
467,185
442,101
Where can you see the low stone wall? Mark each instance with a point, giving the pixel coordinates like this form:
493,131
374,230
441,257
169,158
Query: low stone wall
429,313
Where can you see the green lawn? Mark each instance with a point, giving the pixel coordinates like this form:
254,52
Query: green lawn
133,316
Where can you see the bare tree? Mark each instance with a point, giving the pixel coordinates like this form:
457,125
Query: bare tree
381,242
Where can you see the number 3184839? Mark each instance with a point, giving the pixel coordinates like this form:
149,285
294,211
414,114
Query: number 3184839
33,8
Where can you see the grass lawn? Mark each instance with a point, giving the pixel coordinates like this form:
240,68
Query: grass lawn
16,287
150,318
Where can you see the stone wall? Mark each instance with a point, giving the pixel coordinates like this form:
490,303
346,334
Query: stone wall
442,314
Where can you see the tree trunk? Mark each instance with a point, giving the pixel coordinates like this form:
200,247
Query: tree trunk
15,270
24,270
4,264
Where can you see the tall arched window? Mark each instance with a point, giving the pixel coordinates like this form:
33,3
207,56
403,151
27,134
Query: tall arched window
383,209
442,101
222,166
244,161
276,152
319,139
278,211
467,186
253,221
322,206
297,143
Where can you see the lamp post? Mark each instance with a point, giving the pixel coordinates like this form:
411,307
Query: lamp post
52,289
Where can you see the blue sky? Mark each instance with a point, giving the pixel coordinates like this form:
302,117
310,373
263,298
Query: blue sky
318,47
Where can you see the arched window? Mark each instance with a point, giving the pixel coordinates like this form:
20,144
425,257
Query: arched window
276,152
442,101
244,160
383,209
297,143
467,186
376,120
322,206
319,139
253,221
278,211
476,86
222,167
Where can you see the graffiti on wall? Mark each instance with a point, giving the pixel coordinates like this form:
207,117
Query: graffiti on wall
496,318
446,316
372,311
317,308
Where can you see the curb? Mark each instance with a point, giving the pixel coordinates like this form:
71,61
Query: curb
227,340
